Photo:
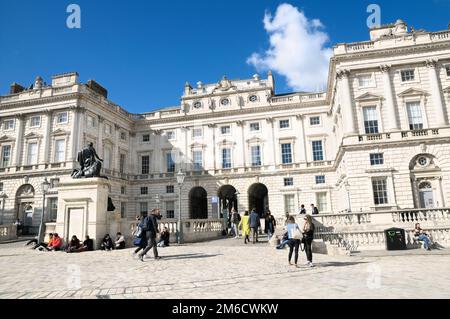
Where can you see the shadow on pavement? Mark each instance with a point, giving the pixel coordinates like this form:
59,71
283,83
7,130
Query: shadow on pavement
340,264
187,256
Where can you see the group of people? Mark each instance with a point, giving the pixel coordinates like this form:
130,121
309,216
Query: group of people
108,244
146,233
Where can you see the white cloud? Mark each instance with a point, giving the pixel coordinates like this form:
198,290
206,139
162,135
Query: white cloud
298,49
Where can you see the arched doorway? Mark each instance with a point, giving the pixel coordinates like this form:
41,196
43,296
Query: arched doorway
258,198
24,209
426,179
426,195
198,203
228,198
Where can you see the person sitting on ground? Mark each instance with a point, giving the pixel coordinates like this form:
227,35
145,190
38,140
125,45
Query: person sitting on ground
88,245
284,241
41,246
107,243
420,235
164,239
74,245
55,244
120,241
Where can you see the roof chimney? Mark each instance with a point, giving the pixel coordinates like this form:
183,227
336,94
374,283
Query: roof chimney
94,86
16,88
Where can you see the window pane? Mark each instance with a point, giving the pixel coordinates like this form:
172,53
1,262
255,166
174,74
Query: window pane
376,159
32,154
52,209
170,209
226,158
122,163
170,163
6,155
370,120
289,204
198,160
284,123
320,179
322,203
145,164
107,158
256,155
408,75
414,115
380,191
365,80
60,146
317,151
286,153
289,181
315,120
254,127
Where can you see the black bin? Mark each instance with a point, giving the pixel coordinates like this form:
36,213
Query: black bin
395,239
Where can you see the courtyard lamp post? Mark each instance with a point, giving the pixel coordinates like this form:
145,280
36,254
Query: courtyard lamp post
44,187
180,180
347,188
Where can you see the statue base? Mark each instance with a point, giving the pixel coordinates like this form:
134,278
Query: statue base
82,209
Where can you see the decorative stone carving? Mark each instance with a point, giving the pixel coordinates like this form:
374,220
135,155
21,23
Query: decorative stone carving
90,163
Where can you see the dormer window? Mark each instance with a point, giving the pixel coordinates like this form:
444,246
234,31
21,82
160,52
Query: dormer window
408,75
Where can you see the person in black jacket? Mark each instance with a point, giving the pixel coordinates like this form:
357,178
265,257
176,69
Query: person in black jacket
314,210
164,239
308,237
107,243
269,224
150,228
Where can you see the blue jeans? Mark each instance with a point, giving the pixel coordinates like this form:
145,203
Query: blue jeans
283,244
426,241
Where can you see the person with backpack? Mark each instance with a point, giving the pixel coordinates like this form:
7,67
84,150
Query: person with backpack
236,219
150,230
140,239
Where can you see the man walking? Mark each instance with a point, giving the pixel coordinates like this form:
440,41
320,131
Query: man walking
150,229
254,224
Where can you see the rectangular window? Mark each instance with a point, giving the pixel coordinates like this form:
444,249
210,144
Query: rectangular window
145,164
170,209
414,116
90,121
122,163
379,187
197,132
408,75
365,81
123,136
170,135
123,210
376,159
53,209
226,158
447,69
107,158
1,187
143,207
62,118
224,130
322,202
54,183
317,149
286,153
256,155
144,190
170,163
107,129
197,158
35,121
170,189
146,138
123,190
60,151
284,124
370,120
314,120
254,127
32,154
320,179
288,181
289,204
8,125
6,155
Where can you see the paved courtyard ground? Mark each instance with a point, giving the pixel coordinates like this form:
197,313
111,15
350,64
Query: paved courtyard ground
219,269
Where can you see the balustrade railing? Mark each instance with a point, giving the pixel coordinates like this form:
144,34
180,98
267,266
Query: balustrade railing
8,232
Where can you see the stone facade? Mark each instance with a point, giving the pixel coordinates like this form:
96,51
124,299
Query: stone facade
378,139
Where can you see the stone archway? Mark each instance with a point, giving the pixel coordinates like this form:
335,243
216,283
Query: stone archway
426,181
228,198
198,203
25,210
258,198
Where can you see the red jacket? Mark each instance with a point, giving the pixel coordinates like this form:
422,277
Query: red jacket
56,242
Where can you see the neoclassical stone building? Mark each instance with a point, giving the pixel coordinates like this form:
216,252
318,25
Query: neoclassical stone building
378,139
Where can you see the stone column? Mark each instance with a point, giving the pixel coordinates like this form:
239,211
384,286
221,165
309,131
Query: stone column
116,146
271,159
242,162
47,136
19,139
438,104
74,134
81,125
100,150
347,110
392,123
214,149
302,157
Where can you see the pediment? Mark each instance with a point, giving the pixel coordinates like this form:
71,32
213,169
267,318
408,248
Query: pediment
107,140
198,145
413,92
369,97
255,140
60,132
6,138
226,142
32,135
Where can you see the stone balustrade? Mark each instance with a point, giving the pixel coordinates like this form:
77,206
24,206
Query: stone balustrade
8,232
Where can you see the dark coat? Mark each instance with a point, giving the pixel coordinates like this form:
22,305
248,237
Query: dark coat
254,220
269,224
315,211
150,226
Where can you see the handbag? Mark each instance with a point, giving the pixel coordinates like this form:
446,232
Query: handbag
297,234
137,241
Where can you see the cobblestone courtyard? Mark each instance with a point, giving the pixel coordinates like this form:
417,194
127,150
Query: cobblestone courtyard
219,269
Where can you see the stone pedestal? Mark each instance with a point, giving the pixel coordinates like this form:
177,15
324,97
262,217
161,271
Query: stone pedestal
82,209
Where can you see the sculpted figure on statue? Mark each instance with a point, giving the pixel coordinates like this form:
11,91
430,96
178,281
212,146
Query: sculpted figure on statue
90,163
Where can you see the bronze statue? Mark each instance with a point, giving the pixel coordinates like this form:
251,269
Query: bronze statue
90,163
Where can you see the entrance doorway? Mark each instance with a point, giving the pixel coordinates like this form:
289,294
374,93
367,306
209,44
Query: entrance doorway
426,195
258,198
25,209
198,203
228,199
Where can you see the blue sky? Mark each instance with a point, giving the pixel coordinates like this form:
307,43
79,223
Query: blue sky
144,51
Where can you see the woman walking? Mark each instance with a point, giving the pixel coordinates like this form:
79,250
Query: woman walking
294,235
308,237
245,224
